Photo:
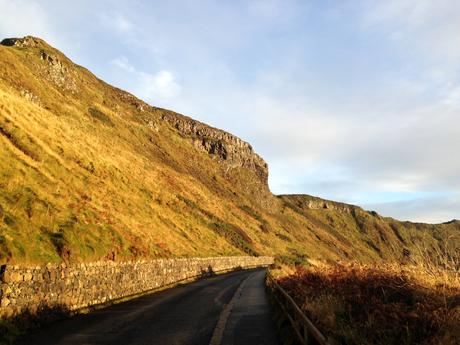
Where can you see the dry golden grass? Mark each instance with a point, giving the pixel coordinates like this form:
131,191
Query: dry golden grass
380,304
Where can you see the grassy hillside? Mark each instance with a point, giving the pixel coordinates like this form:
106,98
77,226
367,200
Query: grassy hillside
89,172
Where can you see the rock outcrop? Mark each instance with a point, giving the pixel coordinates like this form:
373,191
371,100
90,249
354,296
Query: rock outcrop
27,41
311,202
54,65
56,71
226,147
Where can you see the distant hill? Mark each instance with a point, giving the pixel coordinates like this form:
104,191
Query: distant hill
90,172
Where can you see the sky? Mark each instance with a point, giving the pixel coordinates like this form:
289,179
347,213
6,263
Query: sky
355,101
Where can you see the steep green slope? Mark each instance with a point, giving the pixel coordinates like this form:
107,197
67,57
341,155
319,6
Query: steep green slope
89,172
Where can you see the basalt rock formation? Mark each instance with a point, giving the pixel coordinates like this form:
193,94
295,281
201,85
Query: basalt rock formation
314,203
228,148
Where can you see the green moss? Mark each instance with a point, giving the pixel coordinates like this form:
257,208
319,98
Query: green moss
5,251
8,220
58,240
252,213
293,259
235,236
264,225
100,116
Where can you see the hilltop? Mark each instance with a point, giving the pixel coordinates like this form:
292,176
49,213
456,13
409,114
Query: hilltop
90,172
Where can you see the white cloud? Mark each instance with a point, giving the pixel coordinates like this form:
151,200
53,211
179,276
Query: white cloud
122,23
153,87
432,26
117,21
267,9
123,63
452,99
20,18
159,85
430,209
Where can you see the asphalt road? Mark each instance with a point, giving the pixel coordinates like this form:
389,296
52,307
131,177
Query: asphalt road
230,309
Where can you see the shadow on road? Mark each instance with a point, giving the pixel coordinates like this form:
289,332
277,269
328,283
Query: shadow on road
11,328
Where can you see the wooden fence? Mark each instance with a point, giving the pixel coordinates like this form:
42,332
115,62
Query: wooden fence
306,331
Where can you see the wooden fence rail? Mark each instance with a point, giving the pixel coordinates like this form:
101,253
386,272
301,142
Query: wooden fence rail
305,330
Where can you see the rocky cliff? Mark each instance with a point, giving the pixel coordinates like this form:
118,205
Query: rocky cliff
226,147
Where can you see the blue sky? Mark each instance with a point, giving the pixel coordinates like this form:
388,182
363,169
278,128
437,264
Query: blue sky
356,101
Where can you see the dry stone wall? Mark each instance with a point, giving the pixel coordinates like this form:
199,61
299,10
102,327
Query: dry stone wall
72,287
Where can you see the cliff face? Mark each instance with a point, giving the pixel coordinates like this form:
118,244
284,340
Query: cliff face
226,147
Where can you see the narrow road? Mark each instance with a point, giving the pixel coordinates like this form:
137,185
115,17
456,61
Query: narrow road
223,310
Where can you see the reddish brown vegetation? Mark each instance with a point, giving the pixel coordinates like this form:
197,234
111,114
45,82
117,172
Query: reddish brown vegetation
379,305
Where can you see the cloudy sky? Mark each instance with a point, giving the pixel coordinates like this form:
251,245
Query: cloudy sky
356,101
